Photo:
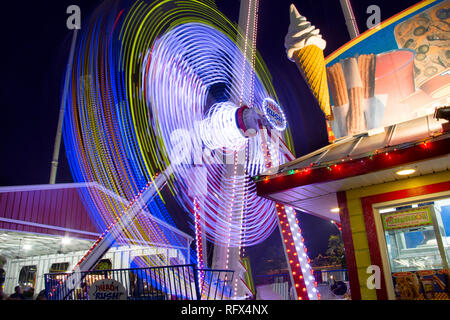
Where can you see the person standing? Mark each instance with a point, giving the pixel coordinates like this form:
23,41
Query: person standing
2,283
17,295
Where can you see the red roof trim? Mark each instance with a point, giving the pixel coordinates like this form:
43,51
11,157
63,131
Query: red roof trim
352,168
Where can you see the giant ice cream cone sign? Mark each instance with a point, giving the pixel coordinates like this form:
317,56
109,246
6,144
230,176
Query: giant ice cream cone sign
304,46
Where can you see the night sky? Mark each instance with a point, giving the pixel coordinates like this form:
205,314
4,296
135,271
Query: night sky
35,47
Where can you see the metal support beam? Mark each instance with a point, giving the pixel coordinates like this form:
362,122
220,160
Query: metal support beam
103,244
350,20
55,158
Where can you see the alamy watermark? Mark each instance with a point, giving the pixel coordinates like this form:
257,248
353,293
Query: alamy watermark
375,16
374,280
74,20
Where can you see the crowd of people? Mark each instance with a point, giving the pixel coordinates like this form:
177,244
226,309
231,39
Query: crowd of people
22,294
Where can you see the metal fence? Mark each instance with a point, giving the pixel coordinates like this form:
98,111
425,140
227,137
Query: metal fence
321,276
329,276
215,284
281,283
180,282
272,278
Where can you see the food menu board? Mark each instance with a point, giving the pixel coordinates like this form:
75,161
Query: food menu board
395,72
422,285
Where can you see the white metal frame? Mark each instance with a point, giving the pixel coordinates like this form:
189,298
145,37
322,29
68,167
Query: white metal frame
380,232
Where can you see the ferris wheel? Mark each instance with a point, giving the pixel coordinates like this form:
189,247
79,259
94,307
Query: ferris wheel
183,102
213,138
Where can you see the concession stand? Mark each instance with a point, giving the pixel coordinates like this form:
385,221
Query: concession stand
386,178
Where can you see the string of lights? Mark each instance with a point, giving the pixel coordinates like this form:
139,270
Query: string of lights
293,242
152,86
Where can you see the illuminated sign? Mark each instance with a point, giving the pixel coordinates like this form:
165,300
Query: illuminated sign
393,73
407,219
107,289
274,114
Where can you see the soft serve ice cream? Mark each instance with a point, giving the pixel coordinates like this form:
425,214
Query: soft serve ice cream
301,33
304,46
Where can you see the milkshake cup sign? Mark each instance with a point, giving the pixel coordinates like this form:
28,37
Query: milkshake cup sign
352,87
107,289
395,73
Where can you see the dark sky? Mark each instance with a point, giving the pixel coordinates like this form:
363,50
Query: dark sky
35,47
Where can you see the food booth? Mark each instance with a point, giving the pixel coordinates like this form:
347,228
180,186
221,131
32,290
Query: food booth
385,178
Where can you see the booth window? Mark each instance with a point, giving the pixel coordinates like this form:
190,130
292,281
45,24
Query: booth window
104,264
59,267
27,276
101,271
418,236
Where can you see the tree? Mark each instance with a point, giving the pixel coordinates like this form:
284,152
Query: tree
320,261
335,251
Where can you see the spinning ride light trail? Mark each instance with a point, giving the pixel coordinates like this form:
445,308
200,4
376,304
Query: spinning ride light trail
148,84
188,126
219,129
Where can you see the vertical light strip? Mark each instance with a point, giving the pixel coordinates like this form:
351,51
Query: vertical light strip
241,250
253,48
301,254
199,243
302,274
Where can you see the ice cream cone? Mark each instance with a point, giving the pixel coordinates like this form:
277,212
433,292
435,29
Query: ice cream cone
311,63
304,46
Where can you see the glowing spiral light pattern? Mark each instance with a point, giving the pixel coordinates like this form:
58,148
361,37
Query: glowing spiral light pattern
202,137
132,67
219,129
142,78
